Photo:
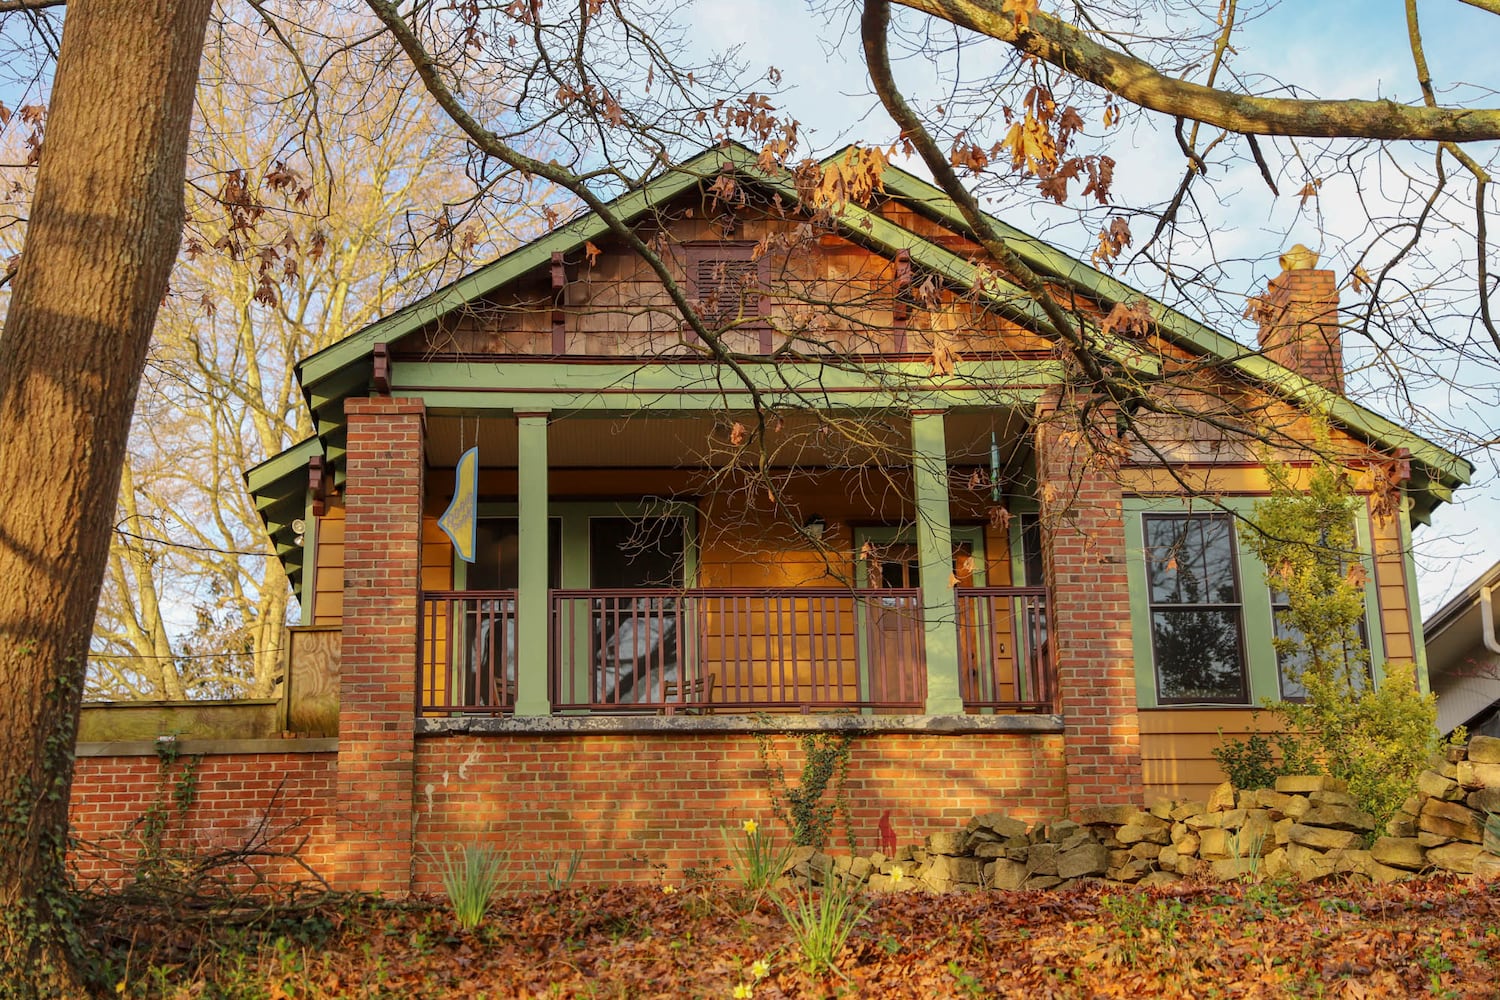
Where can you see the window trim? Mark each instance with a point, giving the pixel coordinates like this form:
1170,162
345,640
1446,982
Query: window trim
1262,671
1245,686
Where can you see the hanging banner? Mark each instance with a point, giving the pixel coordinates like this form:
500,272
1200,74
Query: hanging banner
457,521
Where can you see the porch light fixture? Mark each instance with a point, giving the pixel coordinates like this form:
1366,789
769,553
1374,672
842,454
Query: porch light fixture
814,527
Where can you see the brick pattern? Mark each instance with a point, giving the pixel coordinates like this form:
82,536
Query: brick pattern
382,583
281,800
1083,545
633,802
1299,326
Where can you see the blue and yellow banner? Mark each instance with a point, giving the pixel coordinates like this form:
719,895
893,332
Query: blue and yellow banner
457,521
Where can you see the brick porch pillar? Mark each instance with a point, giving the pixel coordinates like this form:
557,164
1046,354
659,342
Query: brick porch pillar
382,580
1083,545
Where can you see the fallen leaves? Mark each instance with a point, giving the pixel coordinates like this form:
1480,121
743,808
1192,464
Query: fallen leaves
1435,937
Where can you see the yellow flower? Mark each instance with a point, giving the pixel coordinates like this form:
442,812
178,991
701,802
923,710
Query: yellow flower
759,968
750,826
667,890
743,992
897,874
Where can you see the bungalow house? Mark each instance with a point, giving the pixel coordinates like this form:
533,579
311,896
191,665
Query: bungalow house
883,503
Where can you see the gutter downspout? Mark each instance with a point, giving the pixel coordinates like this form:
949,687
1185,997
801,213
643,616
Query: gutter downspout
1487,620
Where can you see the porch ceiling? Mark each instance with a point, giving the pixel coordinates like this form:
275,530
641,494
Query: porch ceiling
583,441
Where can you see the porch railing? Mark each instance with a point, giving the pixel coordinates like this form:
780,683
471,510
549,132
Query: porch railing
1004,658
467,652
736,650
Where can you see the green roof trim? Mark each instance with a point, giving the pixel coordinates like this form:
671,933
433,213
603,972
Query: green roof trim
1187,332
278,486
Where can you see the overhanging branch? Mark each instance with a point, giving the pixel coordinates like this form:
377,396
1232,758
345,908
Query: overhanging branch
1142,84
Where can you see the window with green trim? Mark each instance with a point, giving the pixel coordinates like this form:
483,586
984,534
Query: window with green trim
1197,620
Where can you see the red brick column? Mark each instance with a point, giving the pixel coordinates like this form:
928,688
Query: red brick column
1083,545
382,580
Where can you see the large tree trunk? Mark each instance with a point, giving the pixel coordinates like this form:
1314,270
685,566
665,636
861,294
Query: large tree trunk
104,230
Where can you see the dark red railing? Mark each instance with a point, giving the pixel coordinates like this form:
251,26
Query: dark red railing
1004,658
736,650
466,641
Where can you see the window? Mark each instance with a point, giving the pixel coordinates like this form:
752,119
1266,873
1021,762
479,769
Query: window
1290,665
1196,613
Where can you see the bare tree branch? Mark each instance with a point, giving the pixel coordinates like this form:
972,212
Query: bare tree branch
12,6
1140,83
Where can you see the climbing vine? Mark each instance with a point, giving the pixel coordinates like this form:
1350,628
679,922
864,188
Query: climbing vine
810,809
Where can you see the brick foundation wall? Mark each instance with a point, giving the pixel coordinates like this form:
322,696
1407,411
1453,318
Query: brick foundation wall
633,802
1083,545
281,799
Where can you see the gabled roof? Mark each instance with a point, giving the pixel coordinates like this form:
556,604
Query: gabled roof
345,368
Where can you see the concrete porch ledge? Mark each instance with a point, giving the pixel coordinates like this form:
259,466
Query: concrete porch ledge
587,725
188,746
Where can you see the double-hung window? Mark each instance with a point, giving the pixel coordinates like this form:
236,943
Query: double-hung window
1196,611
1204,618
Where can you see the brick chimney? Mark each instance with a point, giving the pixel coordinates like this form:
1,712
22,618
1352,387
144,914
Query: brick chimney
1299,320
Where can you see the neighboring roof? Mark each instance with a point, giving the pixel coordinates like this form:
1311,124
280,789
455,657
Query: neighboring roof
343,369
279,487
1456,657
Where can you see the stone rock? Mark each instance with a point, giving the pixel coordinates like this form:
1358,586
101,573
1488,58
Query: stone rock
1282,831
1062,830
1295,784
1401,826
1159,834
1146,851
1274,865
1042,882
1090,859
1168,857
1451,819
946,842
1006,875
861,868
1322,839
1161,809
1350,861
1460,858
1455,754
1491,841
1339,817
1233,869
1431,840
1487,867
1484,749
1117,858
1485,800
1215,845
1274,801
1472,775
1042,860
1003,826
966,871
1186,809
1104,815
1330,798
1399,852
1435,786
1385,873
1159,878
1189,845
1188,867
1076,841
1209,821
990,849
1306,864
1221,798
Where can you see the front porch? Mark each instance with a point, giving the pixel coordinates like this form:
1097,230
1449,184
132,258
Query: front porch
734,650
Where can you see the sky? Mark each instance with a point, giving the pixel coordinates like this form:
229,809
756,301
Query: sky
1335,50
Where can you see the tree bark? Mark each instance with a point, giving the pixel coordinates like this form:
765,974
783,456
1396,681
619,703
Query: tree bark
104,230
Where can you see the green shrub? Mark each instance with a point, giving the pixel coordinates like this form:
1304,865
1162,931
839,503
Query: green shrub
1375,737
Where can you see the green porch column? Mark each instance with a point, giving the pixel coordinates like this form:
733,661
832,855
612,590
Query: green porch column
935,552
532,613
